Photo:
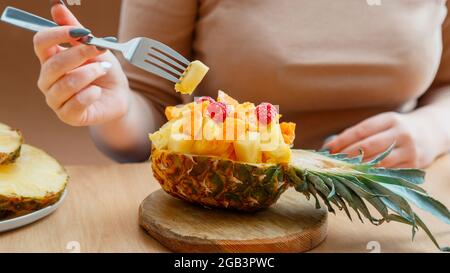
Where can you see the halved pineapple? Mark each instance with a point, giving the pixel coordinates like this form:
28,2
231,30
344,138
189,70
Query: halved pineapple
10,143
339,181
191,78
255,175
34,181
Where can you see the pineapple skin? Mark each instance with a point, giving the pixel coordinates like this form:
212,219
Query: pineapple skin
12,207
8,158
219,183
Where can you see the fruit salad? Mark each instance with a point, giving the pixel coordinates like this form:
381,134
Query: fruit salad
228,129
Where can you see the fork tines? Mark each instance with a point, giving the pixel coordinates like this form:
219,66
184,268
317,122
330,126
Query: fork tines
166,62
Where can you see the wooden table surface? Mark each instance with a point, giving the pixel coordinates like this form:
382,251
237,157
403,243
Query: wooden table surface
100,214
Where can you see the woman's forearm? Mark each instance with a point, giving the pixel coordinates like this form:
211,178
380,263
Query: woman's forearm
126,139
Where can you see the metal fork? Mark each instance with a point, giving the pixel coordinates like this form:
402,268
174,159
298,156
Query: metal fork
147,54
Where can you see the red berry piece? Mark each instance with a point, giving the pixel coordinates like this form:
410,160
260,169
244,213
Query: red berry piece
265,113
217,111
204,98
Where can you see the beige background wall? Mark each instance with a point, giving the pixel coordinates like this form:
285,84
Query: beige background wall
21,103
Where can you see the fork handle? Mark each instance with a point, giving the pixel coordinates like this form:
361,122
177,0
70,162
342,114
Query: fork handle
26,20
35,23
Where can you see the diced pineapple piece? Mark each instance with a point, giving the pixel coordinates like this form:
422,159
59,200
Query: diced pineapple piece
160,138
191,78
245,107
270,137
248,150
173,112
218,148
275,150
233,129
180,145
282,154
225,98
182,133
190,123
288,132
211,130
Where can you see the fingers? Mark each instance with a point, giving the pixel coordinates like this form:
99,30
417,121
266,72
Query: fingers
73,82
398,157
63,62
46,41
404,165
372,145
362,130
63,16
79,110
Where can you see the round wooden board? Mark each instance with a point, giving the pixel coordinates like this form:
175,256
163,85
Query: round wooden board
291,225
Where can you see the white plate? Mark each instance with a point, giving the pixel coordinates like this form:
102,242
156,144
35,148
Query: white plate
31,217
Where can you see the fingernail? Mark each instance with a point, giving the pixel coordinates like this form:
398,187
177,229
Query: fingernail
79,32
56,2
106,65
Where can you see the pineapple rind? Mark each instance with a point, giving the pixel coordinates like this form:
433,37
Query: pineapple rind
11,207
335,179
10,157
10,144
216,182
33,182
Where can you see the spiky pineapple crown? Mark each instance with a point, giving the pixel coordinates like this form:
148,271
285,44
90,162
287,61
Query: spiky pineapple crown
389,191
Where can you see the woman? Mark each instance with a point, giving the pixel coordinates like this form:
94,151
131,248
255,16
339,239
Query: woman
372,75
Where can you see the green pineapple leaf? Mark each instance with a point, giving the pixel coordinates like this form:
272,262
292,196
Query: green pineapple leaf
414,176
425,202
381,156
385,189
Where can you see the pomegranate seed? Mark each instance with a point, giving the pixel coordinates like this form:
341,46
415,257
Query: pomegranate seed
265,113
204,98
217,111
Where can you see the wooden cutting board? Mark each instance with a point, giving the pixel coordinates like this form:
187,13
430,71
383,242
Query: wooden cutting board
291,225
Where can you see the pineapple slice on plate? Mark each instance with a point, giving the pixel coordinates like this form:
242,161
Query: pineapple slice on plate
34,181
10,143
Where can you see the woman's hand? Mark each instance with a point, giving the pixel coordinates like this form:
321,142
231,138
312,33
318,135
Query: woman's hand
418,140
82,84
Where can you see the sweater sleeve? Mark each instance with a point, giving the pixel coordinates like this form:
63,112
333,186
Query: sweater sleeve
170,21
439,91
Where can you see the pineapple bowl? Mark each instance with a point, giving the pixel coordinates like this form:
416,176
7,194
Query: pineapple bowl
225,154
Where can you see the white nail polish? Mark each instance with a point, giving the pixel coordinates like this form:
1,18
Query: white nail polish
106,65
